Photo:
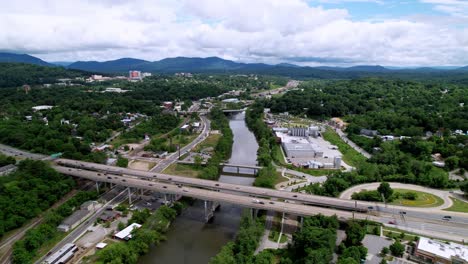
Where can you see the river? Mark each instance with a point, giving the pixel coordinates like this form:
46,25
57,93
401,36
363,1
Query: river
190,239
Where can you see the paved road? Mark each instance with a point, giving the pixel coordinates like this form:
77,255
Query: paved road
445,195
265,241
175,156
10,151
82,228
432,221
352,144
250,190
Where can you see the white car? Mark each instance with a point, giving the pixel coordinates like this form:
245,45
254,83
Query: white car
255,201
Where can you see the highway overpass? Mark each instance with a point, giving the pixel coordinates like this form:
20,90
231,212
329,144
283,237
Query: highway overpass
209,195
214,185
306,199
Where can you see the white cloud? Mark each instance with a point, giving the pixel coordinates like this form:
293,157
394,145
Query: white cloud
452,7
247,30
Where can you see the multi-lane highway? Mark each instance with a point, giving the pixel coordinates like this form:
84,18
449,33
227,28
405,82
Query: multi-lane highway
14,152
435,215
432,227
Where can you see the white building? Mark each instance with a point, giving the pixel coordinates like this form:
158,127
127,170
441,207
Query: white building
231,100
126,234
42,107
115,90
433,251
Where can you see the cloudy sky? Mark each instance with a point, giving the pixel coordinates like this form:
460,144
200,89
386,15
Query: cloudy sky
314,32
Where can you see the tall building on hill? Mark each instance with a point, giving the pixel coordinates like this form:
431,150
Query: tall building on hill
134,74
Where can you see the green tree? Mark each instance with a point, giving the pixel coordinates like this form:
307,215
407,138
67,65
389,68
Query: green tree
354,233
347,260
198,161
225,256
385,190
397,249
451,162
122,162
120,226
384,251
464,187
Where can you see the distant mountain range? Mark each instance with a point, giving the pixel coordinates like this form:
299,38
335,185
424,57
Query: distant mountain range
218,65
23,58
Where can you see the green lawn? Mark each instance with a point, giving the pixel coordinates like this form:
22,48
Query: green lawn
350,155
182,139
183,170
423,199
458,206
278,156
280,178
210,141
397,234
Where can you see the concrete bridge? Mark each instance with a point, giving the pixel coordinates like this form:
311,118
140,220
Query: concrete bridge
294,203
234,110
212,196
237,166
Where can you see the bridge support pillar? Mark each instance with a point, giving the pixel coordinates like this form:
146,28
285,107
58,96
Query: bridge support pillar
301,221
210,208
282,223
238,170
97,187
129,196
254,213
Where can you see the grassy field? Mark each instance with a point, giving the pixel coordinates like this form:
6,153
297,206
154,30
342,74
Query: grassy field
182,139
278,156
458,206
280,178
350,155
210,141
394,234
423,199
183,170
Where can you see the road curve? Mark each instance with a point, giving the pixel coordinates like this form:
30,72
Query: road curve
445,195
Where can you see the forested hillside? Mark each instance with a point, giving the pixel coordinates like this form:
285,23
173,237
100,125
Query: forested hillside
391,106
17,74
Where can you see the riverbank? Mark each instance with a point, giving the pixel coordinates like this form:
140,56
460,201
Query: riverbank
190,239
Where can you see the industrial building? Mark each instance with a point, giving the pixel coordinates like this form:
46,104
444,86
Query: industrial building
74,220
432,251
299,146
86,209
304,146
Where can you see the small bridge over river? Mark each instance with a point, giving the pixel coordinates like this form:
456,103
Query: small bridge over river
255,168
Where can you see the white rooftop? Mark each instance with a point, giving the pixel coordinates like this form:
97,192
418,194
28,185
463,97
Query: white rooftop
101,245
443,250
42,107
126,233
